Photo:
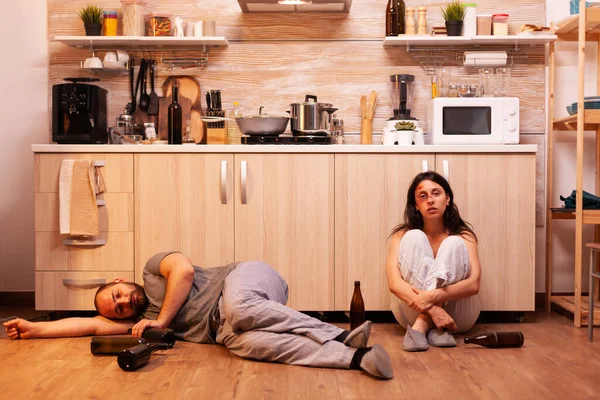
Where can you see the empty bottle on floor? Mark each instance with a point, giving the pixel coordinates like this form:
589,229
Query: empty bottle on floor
138,356
497,339
357,307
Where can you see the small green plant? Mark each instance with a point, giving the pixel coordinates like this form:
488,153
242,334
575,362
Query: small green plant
405,126
454,11
91,14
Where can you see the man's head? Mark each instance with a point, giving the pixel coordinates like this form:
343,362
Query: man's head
120,300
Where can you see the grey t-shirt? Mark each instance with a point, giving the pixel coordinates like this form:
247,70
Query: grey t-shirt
192,322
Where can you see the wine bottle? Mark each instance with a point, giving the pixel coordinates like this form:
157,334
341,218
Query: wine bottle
113,344
155,335
138,356
357,307
391,18
497,339
175,114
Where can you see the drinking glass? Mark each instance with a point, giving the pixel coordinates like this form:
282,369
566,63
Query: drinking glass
444,76
487,82
503,82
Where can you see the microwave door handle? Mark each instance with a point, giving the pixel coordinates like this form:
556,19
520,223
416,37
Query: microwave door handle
445,170
91,119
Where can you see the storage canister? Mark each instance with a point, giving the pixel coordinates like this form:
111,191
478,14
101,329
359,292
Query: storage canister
133,17
500,24
484,24
470,20
110,23
158,24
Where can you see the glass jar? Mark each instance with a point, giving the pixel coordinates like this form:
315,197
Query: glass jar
109,23
453,91
133,17
500,24
158,24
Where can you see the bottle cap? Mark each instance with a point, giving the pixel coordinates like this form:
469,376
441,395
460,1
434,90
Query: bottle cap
357,282
235,103
470,4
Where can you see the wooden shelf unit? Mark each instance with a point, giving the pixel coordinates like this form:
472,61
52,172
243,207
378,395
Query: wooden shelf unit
568,303
140,41
440,40
582,27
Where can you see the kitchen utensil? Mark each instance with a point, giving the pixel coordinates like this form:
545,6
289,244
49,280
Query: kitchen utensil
145,97
262,124
311,117
153,106
130,107
402,90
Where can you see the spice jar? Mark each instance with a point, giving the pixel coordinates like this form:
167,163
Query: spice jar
158,24
110,23
453,91
500,24
133,17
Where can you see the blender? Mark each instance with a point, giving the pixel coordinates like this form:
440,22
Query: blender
402,128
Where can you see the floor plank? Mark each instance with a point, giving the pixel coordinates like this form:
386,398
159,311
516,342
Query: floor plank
556,362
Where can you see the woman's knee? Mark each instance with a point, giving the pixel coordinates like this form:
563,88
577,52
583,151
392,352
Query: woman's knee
453,243
415,235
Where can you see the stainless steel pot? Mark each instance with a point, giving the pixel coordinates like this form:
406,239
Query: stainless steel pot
311,118
262,124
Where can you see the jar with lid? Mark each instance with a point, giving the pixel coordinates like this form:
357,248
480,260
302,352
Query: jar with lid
470,20
109,23
158,24
133,17
484,24
453,91
338,130
500,24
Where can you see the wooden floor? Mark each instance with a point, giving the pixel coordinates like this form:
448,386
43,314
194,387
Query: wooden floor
556,362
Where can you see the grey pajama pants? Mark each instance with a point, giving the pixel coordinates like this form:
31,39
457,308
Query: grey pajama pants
419,268
256,324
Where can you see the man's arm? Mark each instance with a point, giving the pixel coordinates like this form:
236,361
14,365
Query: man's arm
178,270
68,327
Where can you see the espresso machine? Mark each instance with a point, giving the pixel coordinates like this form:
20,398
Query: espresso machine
79,112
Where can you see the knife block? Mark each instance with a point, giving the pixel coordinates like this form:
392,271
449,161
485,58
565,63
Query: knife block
216,132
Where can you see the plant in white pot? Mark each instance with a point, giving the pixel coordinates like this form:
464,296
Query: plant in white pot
91,16
453,14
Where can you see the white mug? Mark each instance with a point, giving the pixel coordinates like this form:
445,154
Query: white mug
198,26
189,29
209,28
110,56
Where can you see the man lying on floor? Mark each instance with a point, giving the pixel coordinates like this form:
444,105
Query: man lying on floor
241,306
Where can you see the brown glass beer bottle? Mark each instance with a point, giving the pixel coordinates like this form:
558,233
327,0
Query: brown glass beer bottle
357,307
497,339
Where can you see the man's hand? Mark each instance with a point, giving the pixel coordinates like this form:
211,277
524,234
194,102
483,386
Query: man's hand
424,300
441,319
139,328
19,329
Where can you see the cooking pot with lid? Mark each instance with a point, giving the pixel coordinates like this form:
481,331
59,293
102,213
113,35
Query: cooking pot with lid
262,124
311,118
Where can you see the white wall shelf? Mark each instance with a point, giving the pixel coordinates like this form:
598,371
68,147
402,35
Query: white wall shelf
140,41
436,40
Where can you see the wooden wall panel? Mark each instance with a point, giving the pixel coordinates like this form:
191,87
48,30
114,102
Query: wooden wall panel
274,59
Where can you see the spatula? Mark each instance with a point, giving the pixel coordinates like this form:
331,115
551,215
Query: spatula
153,107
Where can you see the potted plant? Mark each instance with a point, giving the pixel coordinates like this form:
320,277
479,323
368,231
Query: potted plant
92,19
453,14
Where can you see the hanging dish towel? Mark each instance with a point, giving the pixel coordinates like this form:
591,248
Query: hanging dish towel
79,183
590,202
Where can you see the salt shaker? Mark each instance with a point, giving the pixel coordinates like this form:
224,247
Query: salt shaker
410,21
338,130
422,29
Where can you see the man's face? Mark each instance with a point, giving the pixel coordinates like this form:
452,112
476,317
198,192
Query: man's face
120,301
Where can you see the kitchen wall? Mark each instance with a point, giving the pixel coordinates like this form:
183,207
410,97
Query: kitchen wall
565,156
24,120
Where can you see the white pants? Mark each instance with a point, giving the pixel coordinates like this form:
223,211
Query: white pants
419,268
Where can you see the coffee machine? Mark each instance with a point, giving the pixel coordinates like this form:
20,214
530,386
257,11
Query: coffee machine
79,112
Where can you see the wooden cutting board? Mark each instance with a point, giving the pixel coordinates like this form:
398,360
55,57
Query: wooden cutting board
189,87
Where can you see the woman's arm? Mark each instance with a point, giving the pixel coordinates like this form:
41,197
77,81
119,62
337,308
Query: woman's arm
178,270
467,287
68,327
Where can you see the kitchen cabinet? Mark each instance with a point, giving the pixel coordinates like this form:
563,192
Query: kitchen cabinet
184,202
67,276
496,194
284,216
370,193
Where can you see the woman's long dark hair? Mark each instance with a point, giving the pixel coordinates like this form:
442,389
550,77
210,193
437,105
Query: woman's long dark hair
413,218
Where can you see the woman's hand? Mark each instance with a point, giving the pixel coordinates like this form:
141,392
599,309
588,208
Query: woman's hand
19,329
441,319
424,301
141,326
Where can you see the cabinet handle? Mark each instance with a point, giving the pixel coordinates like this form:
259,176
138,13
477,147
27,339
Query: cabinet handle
99,163
84,283
100,203
223,181
244,167
425,166
77,242
445,169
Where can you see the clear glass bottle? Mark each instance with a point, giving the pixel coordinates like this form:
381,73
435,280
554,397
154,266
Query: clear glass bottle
187,133
234,135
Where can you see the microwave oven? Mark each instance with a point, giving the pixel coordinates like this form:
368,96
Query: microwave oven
476,120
